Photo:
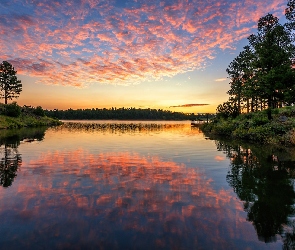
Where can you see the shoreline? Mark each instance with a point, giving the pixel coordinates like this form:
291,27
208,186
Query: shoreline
256,128
26,120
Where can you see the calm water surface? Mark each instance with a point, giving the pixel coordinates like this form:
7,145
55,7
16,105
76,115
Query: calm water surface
150,188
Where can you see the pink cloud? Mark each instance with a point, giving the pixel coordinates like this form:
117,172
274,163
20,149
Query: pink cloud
123,45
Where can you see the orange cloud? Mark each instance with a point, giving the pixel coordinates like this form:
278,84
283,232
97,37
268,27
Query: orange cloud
188,105
122,44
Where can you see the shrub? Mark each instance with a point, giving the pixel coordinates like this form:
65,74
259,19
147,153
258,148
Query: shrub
12,110
241,133
249,115
2,109
276,111
260,133
260,119
39,111
207,127
223,128
278,128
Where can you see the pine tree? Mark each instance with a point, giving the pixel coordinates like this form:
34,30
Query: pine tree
274,50
10,86
263,73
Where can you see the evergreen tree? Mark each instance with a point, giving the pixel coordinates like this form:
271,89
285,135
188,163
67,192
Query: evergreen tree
263,72
274,50
241,72
10,86
235,72
250,84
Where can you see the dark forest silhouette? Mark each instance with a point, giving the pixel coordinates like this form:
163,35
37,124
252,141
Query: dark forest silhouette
122,114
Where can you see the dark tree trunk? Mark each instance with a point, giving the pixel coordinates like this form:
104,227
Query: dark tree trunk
269,108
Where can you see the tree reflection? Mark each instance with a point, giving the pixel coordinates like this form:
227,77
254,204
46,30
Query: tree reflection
10,158
9,164
263,180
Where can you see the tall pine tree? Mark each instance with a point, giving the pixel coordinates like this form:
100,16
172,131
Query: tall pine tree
10,86
274,51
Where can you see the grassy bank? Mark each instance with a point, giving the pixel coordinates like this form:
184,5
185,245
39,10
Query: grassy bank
26,120
255,127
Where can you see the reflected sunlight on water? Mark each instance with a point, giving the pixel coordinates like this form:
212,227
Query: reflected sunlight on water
162,188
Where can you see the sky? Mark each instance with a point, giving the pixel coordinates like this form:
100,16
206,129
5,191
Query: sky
162,54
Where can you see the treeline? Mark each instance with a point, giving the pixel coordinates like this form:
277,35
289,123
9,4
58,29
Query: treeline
262,76
120,114
14,110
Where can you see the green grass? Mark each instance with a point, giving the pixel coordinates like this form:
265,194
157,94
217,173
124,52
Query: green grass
26,120
256,127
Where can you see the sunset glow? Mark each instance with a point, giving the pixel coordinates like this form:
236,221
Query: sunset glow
132,53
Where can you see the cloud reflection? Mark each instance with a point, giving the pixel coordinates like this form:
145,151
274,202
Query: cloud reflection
122,198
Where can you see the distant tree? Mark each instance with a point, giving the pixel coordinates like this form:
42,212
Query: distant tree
119,114
10,86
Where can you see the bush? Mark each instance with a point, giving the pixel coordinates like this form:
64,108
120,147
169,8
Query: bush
241,133
12,110
260,119
2,109
260,133
223,128
207,127
276,111
39,111
278,128
248,115
288,111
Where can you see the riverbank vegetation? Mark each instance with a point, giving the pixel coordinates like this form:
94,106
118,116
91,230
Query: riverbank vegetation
14,116
261,100
256,127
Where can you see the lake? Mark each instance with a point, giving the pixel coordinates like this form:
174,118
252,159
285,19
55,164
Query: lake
147,186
